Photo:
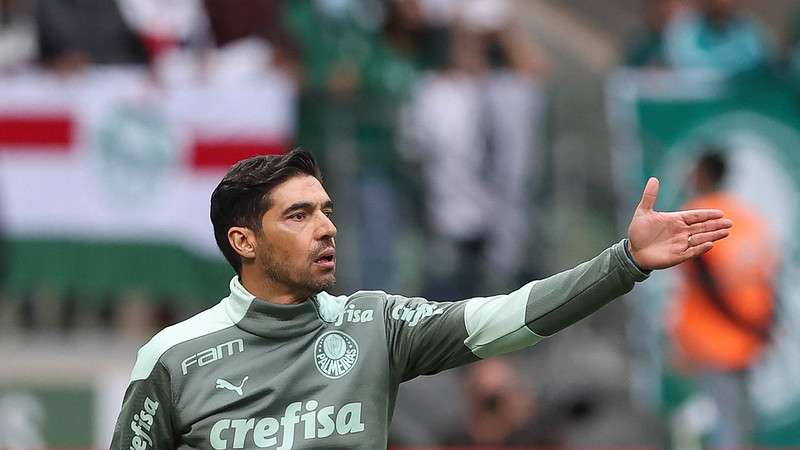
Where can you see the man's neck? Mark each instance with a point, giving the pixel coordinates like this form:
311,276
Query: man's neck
266,289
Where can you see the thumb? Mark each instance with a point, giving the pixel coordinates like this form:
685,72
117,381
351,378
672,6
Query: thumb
649,195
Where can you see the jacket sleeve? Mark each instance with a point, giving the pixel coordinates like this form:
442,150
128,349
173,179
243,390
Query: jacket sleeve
426,337
145,422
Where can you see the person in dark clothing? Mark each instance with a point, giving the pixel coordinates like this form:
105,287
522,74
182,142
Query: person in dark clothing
73,33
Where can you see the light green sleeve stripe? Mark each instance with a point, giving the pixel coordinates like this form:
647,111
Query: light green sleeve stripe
496,325
223,315
505,323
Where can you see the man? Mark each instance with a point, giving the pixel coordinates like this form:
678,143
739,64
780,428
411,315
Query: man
724,307
280,363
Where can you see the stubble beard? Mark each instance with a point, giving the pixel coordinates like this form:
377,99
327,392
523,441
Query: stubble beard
304,281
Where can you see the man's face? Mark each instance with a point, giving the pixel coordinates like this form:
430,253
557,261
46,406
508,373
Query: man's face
296,245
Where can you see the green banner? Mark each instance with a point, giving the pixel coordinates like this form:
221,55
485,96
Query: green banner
660,123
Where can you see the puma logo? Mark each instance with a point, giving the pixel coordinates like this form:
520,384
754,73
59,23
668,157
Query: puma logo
225,384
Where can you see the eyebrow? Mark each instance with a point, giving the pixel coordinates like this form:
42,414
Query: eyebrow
306,205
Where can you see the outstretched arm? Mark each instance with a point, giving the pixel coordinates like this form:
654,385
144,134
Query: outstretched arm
656,240
426,337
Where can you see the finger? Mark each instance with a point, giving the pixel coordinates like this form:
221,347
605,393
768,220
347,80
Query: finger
649,195
710,225
698,250
711,236
693,216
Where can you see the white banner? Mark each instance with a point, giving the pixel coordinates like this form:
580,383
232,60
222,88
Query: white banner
111,156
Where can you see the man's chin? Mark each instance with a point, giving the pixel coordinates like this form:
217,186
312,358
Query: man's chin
322,283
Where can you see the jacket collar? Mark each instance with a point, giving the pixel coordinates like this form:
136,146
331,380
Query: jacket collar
271,320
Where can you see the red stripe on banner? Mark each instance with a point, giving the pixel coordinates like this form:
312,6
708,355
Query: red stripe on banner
214,154
47,133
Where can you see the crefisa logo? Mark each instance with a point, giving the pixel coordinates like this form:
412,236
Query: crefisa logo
335,353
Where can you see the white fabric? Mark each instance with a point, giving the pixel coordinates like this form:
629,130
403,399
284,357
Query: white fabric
330,306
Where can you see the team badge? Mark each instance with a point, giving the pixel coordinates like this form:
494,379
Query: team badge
335,353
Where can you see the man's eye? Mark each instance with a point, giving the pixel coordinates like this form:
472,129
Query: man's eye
328,212
298,216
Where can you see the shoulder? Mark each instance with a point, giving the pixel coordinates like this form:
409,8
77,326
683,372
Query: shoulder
385,299
330,306
392,305
209,321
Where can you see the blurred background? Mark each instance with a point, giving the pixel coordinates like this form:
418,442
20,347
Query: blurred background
470,146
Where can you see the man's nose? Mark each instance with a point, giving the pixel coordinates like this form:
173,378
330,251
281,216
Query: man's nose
327,229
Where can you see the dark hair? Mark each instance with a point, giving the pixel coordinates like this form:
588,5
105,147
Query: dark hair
712,165
242,197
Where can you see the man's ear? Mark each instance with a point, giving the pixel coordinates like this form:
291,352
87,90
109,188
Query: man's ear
243,241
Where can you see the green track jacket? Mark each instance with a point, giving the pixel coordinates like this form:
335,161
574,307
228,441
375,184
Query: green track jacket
324,374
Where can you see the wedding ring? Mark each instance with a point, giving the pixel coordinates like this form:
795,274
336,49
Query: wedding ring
689,240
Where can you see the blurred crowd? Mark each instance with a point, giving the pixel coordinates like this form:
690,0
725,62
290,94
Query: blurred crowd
428,117
711,35
425,114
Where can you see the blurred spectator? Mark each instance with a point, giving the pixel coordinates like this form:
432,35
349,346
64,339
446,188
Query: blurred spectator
166,25
717,36
502,410
236,19
513,113
387,77
136,316
646,48
233,20
473,126
359,63
17,41
74,33
444,125
724,308
335,38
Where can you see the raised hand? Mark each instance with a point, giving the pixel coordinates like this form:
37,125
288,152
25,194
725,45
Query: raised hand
663,239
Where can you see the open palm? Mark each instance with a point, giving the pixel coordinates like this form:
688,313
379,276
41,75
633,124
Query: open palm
663,239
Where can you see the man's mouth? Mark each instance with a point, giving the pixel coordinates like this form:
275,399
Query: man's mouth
327,258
